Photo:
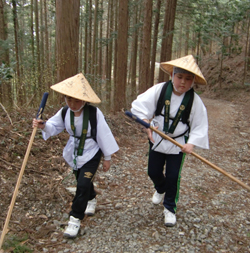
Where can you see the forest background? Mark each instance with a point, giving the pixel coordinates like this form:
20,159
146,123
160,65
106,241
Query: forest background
117,45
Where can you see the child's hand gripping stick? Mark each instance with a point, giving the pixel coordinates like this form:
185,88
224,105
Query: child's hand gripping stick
166,137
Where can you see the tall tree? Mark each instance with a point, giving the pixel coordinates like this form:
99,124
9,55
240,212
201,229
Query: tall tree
132,89
32,34
89,39
144,75
16,29
67,37
5,86
155,39
109,50
100,56
95,44
115,42
42,53
38,53
47,58
122,54
86,44
4,52
167,36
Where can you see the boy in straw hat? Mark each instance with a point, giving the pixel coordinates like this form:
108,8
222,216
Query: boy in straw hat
82,152
177,97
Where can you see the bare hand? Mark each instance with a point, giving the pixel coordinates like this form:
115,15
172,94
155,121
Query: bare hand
187,148
38,123
148,131
106,165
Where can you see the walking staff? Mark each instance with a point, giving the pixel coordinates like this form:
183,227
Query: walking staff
175,109
38,116
166,137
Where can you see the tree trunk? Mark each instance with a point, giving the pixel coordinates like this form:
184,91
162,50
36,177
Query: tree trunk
134,53
179,49
109,52
32,35
67,38
246,53
198,46
80,49
122,53
187,37
48,80
144,75
5,85
89,39
41,42
115,51
86,46
4,52
167,40
95,46
100,57
155,38
18,78
38,55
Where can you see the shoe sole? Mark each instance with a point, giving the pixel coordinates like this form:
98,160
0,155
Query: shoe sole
69,236
170,224
90,214
156,203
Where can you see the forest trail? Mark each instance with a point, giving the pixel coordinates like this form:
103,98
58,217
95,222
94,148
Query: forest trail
213,211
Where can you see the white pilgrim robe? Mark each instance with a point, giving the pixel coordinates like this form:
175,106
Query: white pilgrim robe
104,137
144,107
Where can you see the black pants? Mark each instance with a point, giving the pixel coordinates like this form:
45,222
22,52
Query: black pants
85,188
170,181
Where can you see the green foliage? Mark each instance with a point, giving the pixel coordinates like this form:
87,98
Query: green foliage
6,73
214,21
211,26
16,244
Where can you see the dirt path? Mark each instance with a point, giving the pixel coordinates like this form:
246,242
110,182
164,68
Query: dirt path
213,211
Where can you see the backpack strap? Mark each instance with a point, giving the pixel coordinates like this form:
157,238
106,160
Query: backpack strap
64,110
92,119
161,100
185,116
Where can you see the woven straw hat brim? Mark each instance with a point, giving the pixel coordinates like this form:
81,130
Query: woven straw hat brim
77,87
188,63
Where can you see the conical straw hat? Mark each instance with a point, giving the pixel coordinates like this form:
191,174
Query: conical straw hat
77,87
188,63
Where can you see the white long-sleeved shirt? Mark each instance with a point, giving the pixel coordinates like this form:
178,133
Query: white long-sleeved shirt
144,107
104,137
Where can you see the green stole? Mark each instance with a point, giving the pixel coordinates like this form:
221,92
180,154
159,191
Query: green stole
178,115
84,128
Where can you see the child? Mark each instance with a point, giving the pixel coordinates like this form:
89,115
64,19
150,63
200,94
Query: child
83,152
178,96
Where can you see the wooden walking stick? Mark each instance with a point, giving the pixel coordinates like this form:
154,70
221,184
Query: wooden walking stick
166,137
38,116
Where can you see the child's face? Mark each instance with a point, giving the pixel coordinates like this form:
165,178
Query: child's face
74,104
182,82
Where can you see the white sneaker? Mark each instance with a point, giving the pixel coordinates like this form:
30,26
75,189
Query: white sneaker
90,210
73,227
170,218
157,198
